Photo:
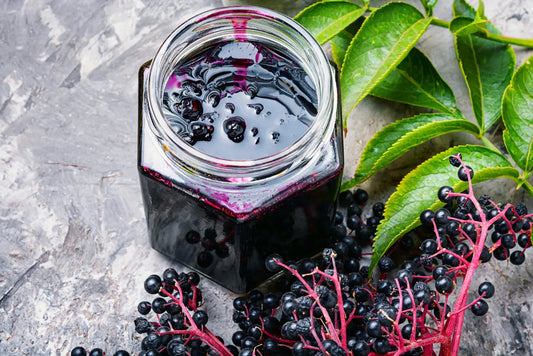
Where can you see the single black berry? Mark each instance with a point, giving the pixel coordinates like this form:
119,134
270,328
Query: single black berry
443,194
444,285
152,284
465,173
455,160
480,307
486,290
78,351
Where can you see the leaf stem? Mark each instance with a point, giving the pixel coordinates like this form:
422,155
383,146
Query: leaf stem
488,143
524,42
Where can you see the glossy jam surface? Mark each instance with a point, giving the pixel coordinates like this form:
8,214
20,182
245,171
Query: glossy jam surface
239,100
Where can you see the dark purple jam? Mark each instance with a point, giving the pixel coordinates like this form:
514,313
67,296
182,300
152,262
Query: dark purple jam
240,100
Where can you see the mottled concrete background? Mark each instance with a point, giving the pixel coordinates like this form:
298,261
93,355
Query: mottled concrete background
74,250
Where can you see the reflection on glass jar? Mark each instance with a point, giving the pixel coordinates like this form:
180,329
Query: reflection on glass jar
240,144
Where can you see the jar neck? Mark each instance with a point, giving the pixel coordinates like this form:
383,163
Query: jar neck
247,24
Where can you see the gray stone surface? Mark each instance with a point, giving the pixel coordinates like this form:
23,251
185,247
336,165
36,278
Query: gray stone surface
74,245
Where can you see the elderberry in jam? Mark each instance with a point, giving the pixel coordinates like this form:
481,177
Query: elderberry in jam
240,144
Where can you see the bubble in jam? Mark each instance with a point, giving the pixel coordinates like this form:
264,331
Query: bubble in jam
240,100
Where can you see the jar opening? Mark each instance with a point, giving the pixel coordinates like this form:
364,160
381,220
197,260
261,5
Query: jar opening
239,90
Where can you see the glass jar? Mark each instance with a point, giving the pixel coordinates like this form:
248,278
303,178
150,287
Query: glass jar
222,206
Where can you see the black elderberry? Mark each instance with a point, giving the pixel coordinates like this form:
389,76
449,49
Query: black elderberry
231,348
361,348
455,160
501,253
121,353
386,264
144,308
450,260
442,308
249,351
365,233
300,349
176,348
338,218
522,240
381,346
508,241
517,258
429,246
351,265
153,341
480,307
339,231
158,305
385,286
152,284
237,337
248,342
164,335
142,325
271,263
441,216
464,173
96,352
404,277
461,249
345,198
200,317
444,285
270,346
378,209
501,226
521,209
486,290
443,194
373,328
354,222
485,255
360,196
354,210
78,351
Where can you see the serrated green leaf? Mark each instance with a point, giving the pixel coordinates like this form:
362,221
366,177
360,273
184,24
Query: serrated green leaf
342,40
487,67
462,8
399,137
416,82
517,111
428,6
326,19
383,41
418,190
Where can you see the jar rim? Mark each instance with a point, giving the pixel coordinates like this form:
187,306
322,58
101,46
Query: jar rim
185,154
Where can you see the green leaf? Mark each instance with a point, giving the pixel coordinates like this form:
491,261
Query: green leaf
383,41
325,19
341,41
428,6
517,111
487,67
416,82
462,8
462,26
418,190
399,137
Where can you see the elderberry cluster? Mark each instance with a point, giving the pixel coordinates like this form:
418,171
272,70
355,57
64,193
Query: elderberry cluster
330,305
